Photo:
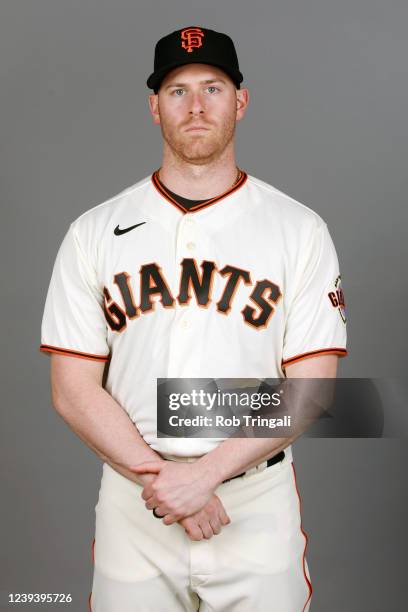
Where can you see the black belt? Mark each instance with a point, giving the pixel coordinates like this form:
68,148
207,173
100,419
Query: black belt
279,457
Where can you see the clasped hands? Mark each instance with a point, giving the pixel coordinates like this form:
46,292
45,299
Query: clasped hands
183,493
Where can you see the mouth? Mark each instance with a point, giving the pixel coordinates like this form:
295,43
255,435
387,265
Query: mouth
197,129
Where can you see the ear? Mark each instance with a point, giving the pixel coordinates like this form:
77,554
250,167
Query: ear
242,102
154,108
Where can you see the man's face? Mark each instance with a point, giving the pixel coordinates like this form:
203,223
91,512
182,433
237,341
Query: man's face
197,107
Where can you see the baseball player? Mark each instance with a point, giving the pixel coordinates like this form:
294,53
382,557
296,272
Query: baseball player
197,270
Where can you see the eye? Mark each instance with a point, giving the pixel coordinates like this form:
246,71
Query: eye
212,88
176,92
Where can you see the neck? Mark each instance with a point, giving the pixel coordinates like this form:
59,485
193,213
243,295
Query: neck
198,181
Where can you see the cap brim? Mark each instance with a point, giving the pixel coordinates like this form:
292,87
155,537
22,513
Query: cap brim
154,80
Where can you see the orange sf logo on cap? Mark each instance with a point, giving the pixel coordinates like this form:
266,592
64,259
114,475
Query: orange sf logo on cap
191,38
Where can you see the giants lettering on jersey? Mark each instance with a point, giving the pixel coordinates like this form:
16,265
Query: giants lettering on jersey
264,295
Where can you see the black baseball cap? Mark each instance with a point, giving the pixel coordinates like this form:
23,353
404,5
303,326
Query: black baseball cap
194,45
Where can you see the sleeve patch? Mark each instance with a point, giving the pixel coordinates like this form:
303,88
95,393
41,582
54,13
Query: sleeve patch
337,300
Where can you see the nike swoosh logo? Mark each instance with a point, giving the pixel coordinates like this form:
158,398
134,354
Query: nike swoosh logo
118,232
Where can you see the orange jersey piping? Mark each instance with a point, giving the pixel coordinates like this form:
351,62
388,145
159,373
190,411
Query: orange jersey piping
161,189
309,584
329,351
47,348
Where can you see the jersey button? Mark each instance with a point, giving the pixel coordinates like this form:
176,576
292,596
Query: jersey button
191,246
184,323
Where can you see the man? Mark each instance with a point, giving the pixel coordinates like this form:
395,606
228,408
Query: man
199,270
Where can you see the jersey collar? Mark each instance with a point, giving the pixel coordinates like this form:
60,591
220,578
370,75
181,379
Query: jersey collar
167,196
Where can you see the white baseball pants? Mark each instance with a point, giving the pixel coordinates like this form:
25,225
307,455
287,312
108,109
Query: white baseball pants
256,563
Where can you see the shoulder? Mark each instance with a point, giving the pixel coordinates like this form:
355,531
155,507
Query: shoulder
92,230
95,219
286,210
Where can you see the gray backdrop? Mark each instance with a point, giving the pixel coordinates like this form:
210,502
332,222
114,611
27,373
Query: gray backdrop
327,125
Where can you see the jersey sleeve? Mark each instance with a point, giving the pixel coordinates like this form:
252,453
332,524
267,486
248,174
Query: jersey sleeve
316,319
73,321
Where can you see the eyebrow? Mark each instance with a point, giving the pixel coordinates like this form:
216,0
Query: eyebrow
207,81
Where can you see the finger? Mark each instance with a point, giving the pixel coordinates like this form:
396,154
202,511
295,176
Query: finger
158,512
147,492
169,519
191,528
206,529
150,467
194,533
167,509
224,518
215,526
222,514
151,503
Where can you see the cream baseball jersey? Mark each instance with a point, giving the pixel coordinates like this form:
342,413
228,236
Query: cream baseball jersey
238,286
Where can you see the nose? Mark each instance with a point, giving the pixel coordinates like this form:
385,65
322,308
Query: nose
196,104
